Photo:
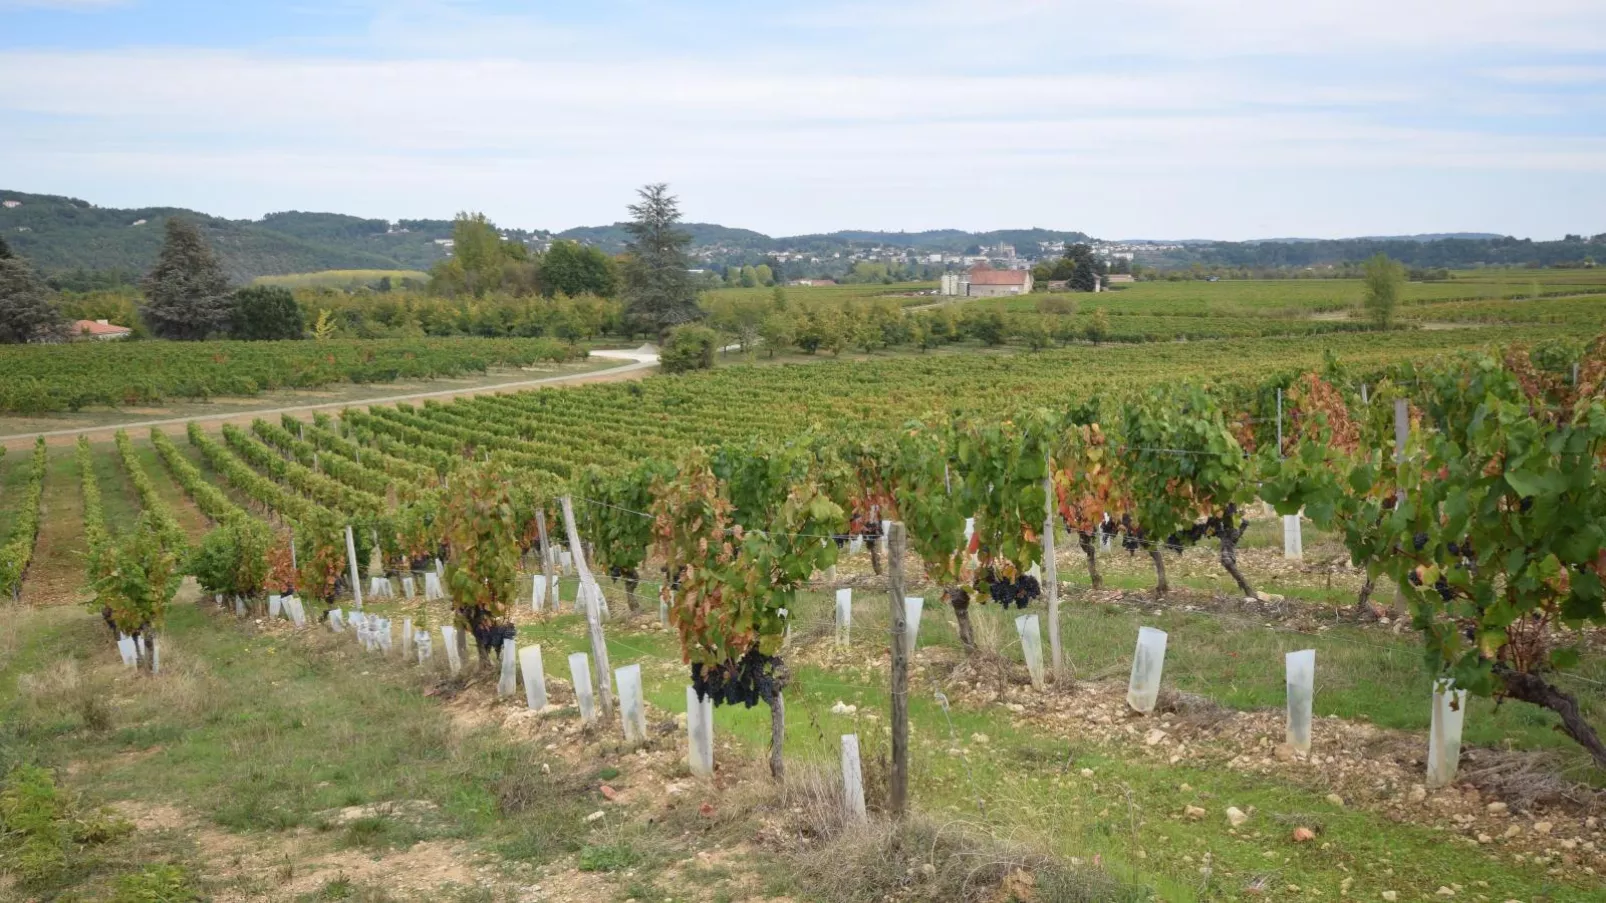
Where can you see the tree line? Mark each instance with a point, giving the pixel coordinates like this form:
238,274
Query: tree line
489,286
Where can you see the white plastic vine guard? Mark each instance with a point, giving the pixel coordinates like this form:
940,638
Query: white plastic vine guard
1444,736
534,677
632,705
912,607
580,675
699,734
1301,667
432,587
1031,646
1148,662
844,616
852,778
509,679
454,660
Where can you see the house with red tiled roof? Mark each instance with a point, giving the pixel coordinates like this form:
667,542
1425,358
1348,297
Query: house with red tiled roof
98,331
986,282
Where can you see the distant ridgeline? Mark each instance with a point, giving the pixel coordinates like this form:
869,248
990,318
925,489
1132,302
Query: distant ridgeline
60,235
70,239
1425,252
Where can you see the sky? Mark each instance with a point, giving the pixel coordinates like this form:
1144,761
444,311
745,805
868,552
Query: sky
1228,119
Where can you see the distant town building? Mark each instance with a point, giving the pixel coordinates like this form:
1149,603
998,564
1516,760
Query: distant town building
11,202
806,282
98,331
1119,278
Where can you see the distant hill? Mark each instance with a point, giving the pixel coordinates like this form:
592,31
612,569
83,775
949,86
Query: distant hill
68,238
709,235
61,234
611,239
1421,236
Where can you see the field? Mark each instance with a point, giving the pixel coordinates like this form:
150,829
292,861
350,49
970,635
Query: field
1295,298
74,376
341,279
902,293
270,762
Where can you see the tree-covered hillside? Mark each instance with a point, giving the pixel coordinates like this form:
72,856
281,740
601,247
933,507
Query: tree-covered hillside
60,235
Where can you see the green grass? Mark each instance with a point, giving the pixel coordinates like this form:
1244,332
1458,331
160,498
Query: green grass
256,734
261,734
1024,789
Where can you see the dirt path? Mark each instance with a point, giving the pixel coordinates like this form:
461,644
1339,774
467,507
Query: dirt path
56,575
636,367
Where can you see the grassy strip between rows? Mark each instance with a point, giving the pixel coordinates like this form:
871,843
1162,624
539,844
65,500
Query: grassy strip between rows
259,733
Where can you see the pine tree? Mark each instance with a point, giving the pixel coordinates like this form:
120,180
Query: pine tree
658,287
26,311
1084,278
186,293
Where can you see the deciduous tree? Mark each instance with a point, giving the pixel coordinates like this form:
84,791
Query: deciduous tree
263,312
1383,278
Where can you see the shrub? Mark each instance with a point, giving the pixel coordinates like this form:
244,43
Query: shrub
689,348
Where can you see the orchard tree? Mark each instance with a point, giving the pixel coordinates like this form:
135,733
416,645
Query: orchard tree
27,313
186,292
263,312
658,290
1098,326
1382,279
778,330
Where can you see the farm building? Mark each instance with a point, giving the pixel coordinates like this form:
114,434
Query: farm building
985,282
98,331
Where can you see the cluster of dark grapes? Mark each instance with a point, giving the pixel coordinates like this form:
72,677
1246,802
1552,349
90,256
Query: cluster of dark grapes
752,679
489,635
1017,592
1441,585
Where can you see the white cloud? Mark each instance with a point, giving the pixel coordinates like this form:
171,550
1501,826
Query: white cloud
1193,29
1088,116
1551,75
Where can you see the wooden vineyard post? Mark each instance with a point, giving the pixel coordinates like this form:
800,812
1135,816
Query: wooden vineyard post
590,594
1051,580
351,558
897,547
546,559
